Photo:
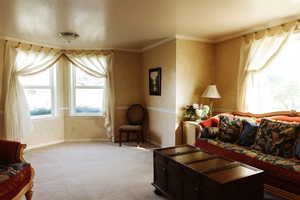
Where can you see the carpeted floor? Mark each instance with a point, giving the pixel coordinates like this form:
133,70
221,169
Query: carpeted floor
94,171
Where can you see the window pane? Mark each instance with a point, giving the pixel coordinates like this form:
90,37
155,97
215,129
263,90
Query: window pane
89,100
276,88
39,101
84,79
40,79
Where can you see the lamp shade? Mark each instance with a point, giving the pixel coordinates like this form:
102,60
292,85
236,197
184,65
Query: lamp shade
211,92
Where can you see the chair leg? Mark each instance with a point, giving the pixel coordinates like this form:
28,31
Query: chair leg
138,138
128,135
120,138
142,135
28,195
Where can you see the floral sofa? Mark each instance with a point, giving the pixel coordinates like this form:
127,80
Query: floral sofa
16,175
273,145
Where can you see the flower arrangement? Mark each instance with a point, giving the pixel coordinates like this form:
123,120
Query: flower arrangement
195,111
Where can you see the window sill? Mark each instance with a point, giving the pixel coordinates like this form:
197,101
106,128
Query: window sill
48,117
86,116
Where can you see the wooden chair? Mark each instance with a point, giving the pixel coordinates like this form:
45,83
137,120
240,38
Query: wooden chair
135,117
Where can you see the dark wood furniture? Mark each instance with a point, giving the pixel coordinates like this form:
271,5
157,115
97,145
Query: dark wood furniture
12,153
135,117
188,173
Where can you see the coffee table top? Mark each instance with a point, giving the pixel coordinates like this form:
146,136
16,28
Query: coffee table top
217,168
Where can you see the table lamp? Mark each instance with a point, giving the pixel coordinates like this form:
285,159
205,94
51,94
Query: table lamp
211,93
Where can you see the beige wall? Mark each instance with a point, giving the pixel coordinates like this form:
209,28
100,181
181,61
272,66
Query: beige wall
227,61
187,68
161,109
195,70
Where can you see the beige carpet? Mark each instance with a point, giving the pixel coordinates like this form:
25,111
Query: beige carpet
94,171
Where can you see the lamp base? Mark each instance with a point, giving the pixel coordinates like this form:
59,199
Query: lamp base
211,104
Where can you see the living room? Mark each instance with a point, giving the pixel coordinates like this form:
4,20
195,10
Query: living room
72,71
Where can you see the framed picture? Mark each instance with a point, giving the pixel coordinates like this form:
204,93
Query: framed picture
155,81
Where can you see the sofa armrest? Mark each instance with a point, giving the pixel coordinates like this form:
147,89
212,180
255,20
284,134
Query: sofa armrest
11,151
190,132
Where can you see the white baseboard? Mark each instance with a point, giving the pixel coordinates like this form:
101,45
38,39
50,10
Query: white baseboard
35,146
89,140
30,147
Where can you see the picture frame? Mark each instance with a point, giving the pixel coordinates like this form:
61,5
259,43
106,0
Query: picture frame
155,81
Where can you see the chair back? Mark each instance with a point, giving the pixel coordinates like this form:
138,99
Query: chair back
135,114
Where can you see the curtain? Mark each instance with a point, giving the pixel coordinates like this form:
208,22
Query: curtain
22,62
100,66
256,55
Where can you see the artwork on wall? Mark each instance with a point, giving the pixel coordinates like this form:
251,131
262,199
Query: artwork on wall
155,81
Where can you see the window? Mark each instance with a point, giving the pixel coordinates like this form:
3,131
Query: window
87,94
277,88
40,93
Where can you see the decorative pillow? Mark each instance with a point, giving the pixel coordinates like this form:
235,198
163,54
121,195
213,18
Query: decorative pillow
276,138
210,132
297,144
211,122
248,133
229,129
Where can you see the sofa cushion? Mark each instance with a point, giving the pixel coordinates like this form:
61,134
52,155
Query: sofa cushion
276,138
211,122
209,132
229,128
13,178
280,172
247,136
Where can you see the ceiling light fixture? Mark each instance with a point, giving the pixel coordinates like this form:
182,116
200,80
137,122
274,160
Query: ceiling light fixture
68,36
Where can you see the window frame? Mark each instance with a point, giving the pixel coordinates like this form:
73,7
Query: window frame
53,89
73,87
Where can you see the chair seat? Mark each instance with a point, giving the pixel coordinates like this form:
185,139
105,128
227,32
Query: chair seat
130,128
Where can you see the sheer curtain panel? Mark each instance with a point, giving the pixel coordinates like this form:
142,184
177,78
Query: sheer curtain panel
22,61
255,56
100,66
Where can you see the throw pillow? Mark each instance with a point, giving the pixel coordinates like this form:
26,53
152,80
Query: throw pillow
297,144
210,132
211,122
276,138
248,133
229,129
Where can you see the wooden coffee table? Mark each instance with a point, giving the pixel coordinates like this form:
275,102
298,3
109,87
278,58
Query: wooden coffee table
188,173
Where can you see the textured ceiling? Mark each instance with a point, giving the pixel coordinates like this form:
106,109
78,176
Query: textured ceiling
134,24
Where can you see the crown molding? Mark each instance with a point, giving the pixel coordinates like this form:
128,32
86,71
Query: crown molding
157,44
193,38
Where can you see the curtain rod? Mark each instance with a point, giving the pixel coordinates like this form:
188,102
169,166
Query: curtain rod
269,28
